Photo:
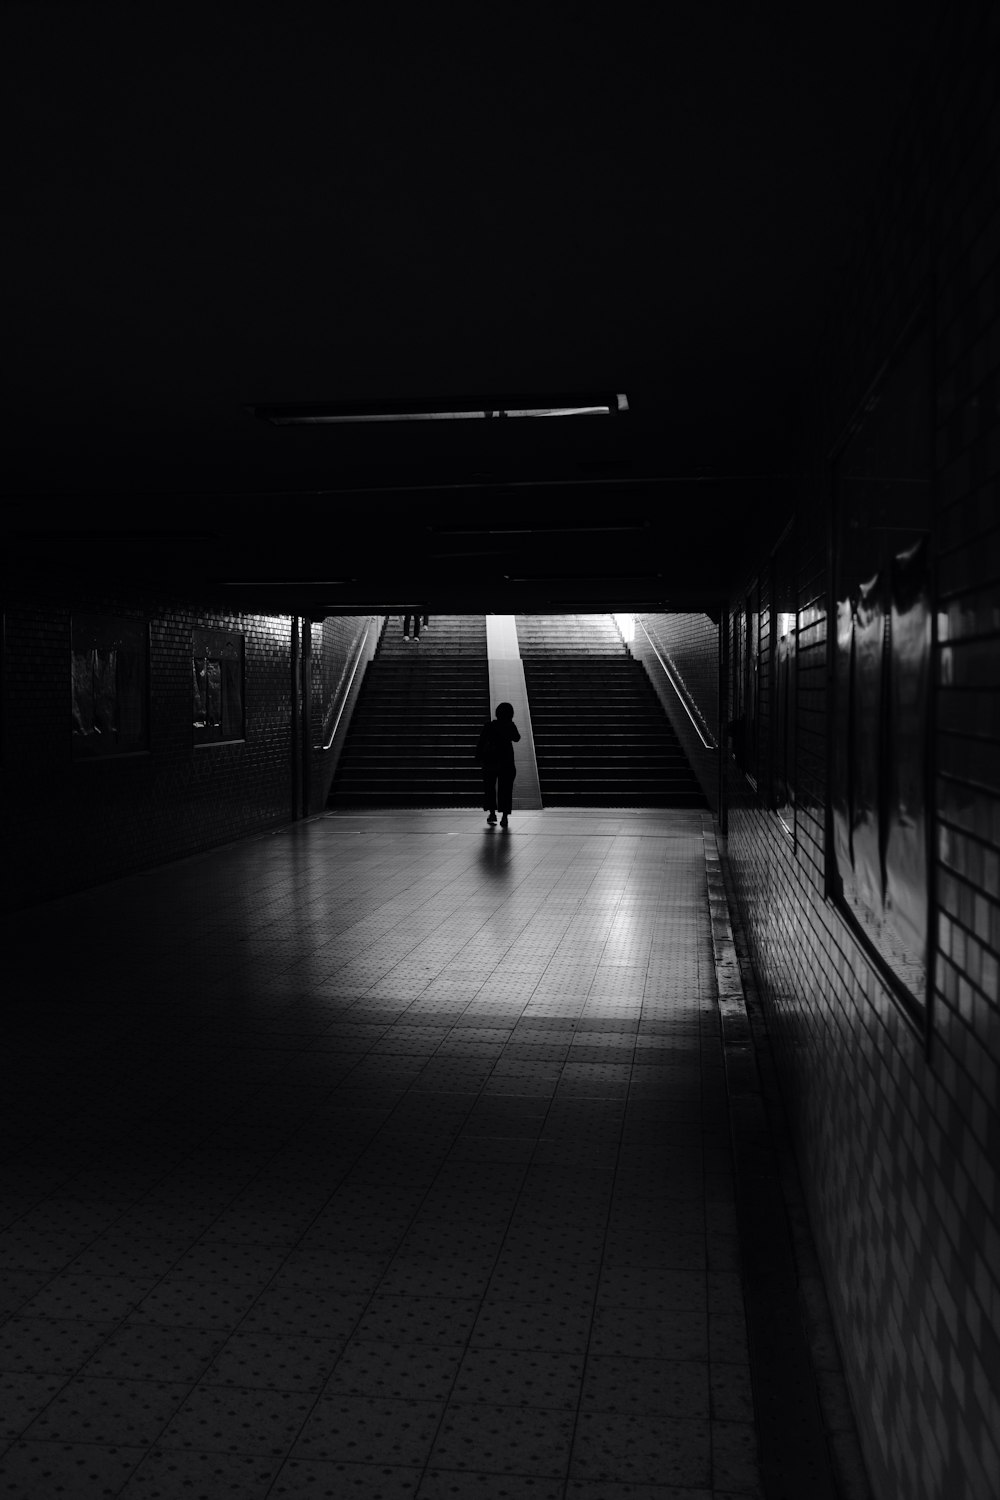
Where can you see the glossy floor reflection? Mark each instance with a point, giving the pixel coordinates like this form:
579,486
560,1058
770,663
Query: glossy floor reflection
387,1155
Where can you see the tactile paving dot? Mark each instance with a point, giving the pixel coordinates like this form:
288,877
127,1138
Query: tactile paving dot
429,1275
293,1312
233,1421
115,1253
560,1327
648,1334
732,1393
48,1345
464,1484
440,1321
502,1117
193,1303
653,1288
370,1429
545,1240
630,1448
404,1371
474,1239
727,1337
95,1297
667,1387
508,1377
321,1480
504,1440
735,1462
22,1397
270,1362
146,1350
17,1288
316,1270
102,1410
683,1252
522,1277
237,1263
166,1474
24,1249
84,1471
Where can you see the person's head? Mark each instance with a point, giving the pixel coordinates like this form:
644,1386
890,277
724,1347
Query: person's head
505,710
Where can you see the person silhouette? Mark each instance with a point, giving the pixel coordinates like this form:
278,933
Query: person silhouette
495,753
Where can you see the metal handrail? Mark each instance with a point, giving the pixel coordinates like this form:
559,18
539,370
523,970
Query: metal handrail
710,743
347,690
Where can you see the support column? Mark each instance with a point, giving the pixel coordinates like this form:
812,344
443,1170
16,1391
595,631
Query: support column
305,672
296,705
724,719
507,685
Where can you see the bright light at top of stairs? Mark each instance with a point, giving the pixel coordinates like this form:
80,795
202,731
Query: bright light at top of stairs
626,624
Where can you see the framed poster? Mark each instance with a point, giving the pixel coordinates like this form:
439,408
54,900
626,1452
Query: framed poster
880,645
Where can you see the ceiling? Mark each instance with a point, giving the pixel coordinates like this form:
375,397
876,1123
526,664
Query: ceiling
215,207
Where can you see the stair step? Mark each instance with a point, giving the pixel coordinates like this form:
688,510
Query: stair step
417,719
601,736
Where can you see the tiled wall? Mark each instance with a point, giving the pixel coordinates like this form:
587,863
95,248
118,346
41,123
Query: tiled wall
691,646
69,824
899,1148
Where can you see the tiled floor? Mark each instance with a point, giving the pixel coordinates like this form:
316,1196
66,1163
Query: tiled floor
384,1156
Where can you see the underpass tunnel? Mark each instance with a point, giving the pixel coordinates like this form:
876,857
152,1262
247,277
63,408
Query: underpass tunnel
536,1072
501,896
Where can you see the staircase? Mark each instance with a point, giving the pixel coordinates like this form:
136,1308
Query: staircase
601,735
417,719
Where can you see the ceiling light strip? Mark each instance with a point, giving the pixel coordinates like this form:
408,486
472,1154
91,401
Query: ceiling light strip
311,415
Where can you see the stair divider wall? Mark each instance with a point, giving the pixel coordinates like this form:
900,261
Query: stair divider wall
507,685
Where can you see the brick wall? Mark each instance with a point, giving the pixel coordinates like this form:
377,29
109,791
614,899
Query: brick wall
70,824
690,645
899,1144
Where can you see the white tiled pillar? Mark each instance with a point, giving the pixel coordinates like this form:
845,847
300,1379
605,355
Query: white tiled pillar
507,686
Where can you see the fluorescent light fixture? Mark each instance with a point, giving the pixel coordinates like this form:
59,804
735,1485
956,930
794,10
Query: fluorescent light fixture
319,419
558,411
516,529
286,583
601,578
474,408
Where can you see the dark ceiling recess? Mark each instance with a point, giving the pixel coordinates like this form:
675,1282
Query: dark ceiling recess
252,214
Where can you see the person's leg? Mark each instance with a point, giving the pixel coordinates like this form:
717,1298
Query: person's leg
490,793
406,627
505,795
416,627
